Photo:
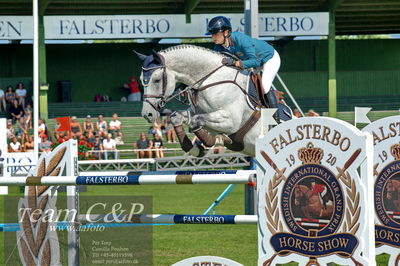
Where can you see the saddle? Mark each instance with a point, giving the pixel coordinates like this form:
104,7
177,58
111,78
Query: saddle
255,97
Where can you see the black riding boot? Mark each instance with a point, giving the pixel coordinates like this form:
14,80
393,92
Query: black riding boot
273,103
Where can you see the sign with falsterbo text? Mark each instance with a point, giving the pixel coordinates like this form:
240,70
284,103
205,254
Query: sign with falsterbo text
160,26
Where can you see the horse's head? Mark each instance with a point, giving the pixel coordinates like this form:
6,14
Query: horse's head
158,83
298,194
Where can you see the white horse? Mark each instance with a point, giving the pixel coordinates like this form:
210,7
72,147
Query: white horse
219,104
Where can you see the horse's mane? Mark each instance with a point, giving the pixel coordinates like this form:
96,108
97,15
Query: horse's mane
190,46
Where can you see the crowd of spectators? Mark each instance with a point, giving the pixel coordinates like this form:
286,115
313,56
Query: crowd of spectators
13,102
102,136
18,110
155,147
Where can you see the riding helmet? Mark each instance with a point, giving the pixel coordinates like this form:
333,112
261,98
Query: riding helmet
218,24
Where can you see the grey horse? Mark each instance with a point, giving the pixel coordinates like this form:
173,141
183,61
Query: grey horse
219,103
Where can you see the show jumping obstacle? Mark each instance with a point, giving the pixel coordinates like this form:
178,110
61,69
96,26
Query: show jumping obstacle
65,157
301,151
179,178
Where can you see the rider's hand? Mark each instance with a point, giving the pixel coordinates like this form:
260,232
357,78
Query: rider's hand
228,61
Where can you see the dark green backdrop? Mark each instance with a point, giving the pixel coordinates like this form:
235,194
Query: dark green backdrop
365,67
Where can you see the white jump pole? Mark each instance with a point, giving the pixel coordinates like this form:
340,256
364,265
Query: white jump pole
242,177
73,204
3,152
169,219
35,79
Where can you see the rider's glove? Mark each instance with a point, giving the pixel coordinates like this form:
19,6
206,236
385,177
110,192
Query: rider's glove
228,61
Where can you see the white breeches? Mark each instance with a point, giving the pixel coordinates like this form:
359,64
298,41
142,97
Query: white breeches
270,69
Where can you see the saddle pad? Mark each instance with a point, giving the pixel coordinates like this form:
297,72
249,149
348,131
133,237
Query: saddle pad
252,91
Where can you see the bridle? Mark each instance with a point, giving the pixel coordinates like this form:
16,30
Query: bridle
163,100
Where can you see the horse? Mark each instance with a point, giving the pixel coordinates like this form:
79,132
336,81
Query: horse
217,94
393,194
310,203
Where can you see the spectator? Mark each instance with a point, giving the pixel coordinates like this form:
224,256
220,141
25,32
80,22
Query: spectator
45,144
157,146
28,115
135,94
101,127
22,130
169,129
89,137
10,130
156,129
114,128
88,125
66,137
2,101
144,146
42,128
312,113
76,128
98,147
61,136
109,146
10,95
15,146
98,98
29,145
16,111
297,113
20,93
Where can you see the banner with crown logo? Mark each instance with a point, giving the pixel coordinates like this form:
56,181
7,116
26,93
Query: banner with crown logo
313,202
386,172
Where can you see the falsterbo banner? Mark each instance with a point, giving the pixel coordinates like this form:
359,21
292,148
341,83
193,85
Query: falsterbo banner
160,26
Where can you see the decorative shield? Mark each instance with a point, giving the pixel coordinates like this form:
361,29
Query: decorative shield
386,172
313,204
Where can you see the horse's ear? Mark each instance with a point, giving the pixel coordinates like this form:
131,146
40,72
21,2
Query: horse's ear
157,58
141,56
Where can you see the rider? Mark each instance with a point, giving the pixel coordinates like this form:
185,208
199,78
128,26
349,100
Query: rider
320,190
252,53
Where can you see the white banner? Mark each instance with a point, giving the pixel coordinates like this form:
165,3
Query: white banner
160,26
16,27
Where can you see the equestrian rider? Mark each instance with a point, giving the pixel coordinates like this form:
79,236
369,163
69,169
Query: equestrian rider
320,190
253,53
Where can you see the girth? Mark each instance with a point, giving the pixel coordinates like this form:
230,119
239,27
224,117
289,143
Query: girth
238,136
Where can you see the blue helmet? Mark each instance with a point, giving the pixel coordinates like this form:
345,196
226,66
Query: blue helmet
218,24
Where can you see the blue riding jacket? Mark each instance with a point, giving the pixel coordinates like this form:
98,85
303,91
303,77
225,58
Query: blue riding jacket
252,52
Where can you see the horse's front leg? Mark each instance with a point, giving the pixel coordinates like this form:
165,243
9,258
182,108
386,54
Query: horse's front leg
218,121
178,118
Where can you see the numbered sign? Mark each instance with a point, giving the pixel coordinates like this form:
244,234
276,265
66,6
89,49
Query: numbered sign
313,204
386,172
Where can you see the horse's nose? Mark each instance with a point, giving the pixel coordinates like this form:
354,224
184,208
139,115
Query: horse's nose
148,116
